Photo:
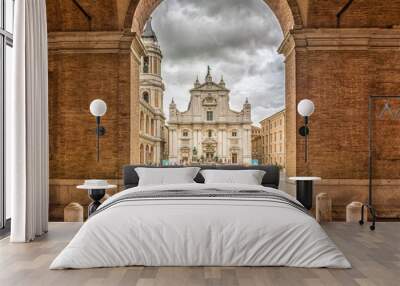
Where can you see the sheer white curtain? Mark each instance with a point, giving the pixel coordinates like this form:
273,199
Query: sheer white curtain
28,123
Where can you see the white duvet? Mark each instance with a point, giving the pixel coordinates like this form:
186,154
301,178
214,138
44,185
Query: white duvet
200,232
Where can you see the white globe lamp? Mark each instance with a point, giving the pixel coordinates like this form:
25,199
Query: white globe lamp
98,108
306,108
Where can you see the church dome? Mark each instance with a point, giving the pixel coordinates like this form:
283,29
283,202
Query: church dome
148,32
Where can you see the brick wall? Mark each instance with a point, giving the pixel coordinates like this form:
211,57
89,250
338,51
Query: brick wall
360,14
66,16
74,81
337,82
339,73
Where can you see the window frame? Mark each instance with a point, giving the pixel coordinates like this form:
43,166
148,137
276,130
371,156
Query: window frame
210,115
146,96
6,40
146,64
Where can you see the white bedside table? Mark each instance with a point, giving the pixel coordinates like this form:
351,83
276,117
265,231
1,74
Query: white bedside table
304,190
96,190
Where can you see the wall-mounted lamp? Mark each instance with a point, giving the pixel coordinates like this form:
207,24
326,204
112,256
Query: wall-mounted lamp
305,108
98,108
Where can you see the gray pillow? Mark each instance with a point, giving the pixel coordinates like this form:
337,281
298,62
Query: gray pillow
166,176
247,177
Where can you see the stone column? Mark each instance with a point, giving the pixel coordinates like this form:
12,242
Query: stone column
220,143
224,145
170,145
174,147
200,140
195,137
157,155
160,135
178,145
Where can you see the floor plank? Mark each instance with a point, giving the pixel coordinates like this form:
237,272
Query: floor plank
375,257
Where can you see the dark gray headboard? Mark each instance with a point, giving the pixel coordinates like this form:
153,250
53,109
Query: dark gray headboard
271,177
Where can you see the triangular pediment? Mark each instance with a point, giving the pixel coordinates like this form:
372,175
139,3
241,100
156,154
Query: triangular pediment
210,86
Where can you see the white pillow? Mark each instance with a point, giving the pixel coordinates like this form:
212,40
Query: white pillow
166,176
247,177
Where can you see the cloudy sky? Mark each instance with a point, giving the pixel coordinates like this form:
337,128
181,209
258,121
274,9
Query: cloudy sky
238,39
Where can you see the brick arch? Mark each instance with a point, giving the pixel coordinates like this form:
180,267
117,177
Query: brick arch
286,11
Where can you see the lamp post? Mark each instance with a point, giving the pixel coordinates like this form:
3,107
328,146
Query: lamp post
305,108
98,108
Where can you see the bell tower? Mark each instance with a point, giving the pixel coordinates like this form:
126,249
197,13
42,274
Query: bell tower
151,92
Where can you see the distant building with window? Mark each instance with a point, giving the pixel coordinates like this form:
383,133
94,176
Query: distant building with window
209,131
153,140
273,139
256,144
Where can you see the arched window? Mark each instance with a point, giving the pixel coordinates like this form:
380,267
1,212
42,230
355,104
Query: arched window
146,97
210,133
234,133
146,65
185,133
147,154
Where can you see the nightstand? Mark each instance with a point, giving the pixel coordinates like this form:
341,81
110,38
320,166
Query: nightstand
96,190
304,189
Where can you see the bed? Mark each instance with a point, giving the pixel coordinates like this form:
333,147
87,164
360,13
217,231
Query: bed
201,224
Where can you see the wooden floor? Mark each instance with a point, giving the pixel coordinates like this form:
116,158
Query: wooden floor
375,257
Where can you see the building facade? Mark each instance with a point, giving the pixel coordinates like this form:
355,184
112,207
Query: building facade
273,139
209,131
152,119
256,144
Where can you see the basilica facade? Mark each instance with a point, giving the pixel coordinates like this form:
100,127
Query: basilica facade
209,131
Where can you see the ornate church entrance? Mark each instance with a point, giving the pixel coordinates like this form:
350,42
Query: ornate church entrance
209,156
209,150
234,158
